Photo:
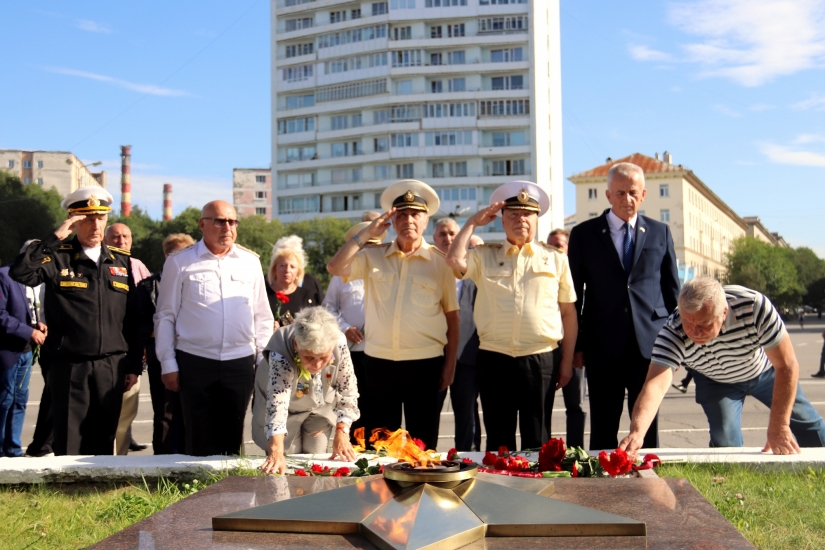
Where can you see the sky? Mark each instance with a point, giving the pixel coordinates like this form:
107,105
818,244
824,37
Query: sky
733,89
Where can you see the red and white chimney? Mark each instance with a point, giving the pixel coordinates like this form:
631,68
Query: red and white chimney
126,180
167,201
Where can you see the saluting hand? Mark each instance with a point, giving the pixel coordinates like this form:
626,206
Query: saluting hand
379,225
65,229
487,215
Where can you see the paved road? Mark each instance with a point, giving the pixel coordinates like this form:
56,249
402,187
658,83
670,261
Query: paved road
681,421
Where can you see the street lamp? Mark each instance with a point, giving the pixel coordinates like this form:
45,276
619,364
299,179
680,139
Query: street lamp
81,179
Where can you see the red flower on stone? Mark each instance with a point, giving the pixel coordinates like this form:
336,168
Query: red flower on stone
575,469
503,451
551,455
501,463
316,468
301,473
467,461
615,464
283,298
489,459
341,472
649,461
452,454
421,445
517,464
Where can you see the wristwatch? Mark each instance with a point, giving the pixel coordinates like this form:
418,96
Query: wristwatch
344,429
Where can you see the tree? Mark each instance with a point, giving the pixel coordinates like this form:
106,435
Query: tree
322,239
26,212
765,268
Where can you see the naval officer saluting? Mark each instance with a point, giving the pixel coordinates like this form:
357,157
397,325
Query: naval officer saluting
94,352
524,307
411,312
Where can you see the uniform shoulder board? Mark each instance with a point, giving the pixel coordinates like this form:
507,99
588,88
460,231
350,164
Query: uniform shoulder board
178,251
248,250
374,245
551,247
66,247
490,245
437,251
119,250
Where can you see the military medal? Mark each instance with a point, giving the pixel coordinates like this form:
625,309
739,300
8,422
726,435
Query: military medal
301,391
329,379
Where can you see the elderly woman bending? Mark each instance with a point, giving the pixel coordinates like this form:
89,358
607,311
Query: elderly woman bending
309,394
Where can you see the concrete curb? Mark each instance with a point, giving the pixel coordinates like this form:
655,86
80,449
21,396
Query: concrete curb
103,469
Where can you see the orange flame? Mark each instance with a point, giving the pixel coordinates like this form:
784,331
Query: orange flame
358,435
395,531
400,445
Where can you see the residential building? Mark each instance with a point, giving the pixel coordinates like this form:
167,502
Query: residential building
702,224
462,94
758,231
58,169
252,191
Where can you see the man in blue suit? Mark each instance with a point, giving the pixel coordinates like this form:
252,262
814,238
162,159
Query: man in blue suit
19,332
626,278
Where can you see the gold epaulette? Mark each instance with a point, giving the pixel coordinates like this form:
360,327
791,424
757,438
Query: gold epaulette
248,250
438,251
66,247
119,250
551,247
490,245
178,251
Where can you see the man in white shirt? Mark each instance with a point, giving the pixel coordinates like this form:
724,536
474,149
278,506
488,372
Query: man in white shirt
212,323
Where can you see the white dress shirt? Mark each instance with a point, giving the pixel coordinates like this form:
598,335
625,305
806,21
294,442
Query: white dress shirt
213,307
346,302
616,225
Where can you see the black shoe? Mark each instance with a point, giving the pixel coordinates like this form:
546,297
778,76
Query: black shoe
680,387
820,374
135,446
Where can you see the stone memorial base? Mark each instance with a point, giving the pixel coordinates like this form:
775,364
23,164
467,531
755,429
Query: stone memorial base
676,514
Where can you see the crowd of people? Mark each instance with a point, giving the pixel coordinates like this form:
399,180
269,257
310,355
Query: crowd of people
402,323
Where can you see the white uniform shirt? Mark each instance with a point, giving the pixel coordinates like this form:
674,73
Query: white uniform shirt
346,302
212,307
617,231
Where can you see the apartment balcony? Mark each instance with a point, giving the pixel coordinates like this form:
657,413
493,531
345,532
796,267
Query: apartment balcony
323,28
503,121
480,39
369,129
472,66
296,137
507,151
328,161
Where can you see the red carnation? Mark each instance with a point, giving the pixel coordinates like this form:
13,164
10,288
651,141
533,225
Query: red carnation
301,473
615,464
341,472
576,469
452,454
503,451
467,461
317,468
489,459
501,463
283,298
551,455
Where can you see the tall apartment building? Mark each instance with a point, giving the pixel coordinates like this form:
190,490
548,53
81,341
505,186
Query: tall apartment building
59,169
252,191
703,226
462,94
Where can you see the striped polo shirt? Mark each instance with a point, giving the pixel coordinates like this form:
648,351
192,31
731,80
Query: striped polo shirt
737,354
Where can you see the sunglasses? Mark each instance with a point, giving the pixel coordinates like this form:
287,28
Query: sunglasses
221,222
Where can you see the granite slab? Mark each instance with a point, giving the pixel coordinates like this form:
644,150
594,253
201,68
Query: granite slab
677,517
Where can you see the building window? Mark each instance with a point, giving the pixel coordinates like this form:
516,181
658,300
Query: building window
380,145
404,171
295,154
383,172
299,205
507,139
436,87
515,82
456,58
260,194
435,59
502,24
261,210
404,140
296,24
356,14
260,179
296,125
664,215
664,190
592,194
294,181
355,63
407,58
457,84
40,164
442,139
339,204
443,110
294,50
11,164
402,4
356,121
27,164
379,8
456,193
402,33
508,107
337,16
500,2
348,91
444,3
438,169
504,56
297,74
435,32
340,122
39,181
508,167
455,31
300,101
352,35
27,180
458,169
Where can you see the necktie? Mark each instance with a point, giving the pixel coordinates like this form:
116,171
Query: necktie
627,248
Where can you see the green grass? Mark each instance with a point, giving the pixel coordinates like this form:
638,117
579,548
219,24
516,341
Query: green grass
773,510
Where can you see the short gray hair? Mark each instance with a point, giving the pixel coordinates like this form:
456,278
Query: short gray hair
627,170
698,292
316,330
444,221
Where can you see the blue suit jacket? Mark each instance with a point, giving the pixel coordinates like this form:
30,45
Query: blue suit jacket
613,305
15,319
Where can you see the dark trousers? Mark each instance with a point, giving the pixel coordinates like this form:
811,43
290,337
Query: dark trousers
822,359
413,385
214,396
573,394
464,399
86,398
515,388
607,381
167,418
359,359
44,428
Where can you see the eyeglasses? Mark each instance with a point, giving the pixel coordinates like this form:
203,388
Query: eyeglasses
221,222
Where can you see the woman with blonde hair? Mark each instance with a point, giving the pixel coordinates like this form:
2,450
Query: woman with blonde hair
286,276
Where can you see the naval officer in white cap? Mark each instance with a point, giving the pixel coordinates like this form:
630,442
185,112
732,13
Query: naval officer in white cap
411,312
524,306
89,303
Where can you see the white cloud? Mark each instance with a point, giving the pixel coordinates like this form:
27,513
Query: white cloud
643,53
91,26
781,154
815,102
149,89
727,111
753,41
808,138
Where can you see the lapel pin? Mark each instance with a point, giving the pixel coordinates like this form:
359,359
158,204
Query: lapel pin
604,230
642,229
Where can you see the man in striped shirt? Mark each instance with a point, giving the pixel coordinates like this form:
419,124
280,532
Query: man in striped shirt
735,341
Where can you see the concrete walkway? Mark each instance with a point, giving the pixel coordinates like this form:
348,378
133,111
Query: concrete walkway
97,469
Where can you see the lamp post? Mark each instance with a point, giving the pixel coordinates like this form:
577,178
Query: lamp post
81,178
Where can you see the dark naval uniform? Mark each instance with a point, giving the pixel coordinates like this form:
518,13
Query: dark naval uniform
90,311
